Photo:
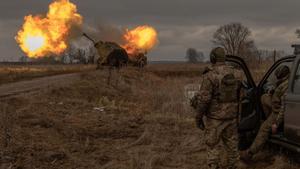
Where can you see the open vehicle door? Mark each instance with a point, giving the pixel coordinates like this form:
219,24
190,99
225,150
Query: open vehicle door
251,111
288,61
284,136
249,119
261,90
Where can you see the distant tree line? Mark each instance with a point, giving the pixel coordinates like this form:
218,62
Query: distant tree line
235,38
80,55
73,55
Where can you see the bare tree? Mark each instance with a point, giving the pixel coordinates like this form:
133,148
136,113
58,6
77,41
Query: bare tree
72,52
81,55
270,55
77,54
298,33
91,54
234,38
193,56
201,56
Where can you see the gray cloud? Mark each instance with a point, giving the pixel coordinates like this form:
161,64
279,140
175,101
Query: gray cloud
181,24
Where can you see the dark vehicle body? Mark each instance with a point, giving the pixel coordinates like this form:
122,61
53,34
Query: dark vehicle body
111,54
251,111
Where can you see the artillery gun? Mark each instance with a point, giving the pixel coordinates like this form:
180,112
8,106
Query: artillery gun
110,54
113,55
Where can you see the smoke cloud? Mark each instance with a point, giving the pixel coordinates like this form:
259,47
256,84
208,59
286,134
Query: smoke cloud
105,32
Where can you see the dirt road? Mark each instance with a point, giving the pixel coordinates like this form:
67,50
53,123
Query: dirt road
12,89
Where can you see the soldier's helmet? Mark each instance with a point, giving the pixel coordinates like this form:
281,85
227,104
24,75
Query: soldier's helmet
217,55
282,72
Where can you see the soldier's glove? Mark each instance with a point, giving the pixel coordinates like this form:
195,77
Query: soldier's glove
199,122
194,102
274,128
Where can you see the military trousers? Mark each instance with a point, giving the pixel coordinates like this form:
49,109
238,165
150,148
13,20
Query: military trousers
263,134
266,101
221,135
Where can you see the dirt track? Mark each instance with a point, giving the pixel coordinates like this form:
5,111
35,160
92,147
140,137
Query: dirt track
140,121
16,88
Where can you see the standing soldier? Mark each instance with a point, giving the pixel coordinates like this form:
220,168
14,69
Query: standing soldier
217,100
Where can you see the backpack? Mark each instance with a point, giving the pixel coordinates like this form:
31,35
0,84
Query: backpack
228,89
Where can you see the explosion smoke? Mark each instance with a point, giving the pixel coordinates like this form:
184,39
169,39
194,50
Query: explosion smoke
104,31
42,36
140,40
135,41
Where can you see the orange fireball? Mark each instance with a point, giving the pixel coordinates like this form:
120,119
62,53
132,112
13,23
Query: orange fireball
41,36
140,40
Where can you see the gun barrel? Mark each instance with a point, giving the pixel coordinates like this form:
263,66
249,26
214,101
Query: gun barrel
89,38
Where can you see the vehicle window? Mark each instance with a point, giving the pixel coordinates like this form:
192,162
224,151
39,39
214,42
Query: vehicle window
296,88
271,81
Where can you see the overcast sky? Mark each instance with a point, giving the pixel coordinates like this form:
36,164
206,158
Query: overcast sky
180,23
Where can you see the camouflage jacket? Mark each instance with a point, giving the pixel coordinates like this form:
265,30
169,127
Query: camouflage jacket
206,100
277,100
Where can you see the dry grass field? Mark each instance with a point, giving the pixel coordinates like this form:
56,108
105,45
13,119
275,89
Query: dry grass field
140,121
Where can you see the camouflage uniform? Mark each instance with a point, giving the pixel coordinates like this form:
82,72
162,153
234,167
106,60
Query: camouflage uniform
266,101
276,116
221,116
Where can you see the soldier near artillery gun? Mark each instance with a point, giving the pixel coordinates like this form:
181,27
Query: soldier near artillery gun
217,100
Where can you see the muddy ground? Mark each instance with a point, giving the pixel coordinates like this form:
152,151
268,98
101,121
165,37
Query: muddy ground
141,120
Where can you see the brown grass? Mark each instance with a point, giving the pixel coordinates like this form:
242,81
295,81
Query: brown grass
144,122
177,70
